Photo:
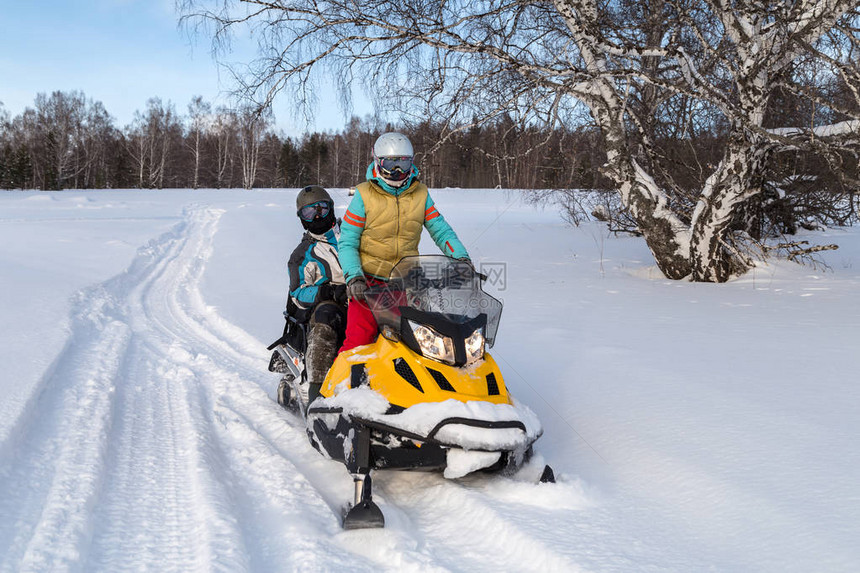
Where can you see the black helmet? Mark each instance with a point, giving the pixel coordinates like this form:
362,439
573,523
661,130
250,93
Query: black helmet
315,209
310,195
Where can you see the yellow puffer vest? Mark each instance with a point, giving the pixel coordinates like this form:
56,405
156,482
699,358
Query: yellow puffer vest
392,228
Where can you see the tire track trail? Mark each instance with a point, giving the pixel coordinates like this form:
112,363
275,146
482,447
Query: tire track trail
173,489
259,449
55,470
160,497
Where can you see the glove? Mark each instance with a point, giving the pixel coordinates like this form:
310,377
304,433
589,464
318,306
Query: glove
339,294
465,260
355,289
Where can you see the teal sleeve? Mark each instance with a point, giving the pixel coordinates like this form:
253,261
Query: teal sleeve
442,233
306,294
350,239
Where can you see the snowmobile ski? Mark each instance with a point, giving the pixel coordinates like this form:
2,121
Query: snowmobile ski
363,513
548,476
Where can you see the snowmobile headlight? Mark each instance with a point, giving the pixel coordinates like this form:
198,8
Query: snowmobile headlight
432,344
475,346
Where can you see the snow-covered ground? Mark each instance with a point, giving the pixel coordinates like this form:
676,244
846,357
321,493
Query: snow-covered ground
693,427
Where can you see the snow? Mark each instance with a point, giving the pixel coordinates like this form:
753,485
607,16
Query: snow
421,419
356,401
691,426
832,130
463,462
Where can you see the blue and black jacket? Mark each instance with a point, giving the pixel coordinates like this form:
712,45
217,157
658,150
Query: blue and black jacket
314,262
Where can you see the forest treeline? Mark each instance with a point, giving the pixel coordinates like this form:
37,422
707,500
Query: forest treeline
68,141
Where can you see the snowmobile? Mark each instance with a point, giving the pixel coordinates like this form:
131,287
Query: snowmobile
424,396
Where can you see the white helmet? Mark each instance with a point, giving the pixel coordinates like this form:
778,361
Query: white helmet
392,144
392,156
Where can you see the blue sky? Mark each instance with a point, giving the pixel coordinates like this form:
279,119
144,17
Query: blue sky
119,52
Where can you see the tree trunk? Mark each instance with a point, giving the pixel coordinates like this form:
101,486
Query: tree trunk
665,234
736,180
196,183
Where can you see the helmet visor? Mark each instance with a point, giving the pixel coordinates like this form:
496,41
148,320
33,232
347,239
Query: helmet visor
394,168
310,212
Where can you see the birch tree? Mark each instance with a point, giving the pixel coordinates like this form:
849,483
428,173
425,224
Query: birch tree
630,64
151,139
54,129
223,130
199,120
252,126
97,137
6,150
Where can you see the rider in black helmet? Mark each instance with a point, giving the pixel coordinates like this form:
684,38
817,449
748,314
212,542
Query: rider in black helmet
317,289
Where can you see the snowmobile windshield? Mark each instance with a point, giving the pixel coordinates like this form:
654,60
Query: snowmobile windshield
445,288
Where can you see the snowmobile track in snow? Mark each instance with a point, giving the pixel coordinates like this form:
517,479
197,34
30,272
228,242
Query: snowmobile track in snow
153,444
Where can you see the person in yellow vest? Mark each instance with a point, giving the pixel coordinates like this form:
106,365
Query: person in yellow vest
383,224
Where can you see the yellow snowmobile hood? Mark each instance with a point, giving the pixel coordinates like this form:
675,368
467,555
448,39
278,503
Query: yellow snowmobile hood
406,378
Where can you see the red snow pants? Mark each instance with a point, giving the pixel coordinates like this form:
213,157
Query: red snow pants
361,327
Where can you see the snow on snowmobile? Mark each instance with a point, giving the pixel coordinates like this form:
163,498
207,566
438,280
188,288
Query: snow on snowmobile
425,396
